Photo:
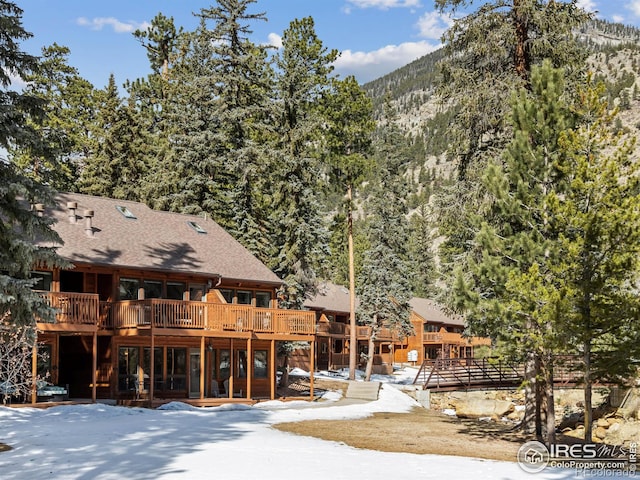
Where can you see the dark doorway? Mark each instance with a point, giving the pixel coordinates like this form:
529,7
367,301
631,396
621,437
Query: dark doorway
75,366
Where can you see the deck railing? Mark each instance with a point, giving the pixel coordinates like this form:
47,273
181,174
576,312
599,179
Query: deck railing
163,313
452,338
73,308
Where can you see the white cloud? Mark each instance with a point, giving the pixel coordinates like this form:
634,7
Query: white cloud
384,4
367,66
433,24
274,40
588,5
99,23
634,6
618,19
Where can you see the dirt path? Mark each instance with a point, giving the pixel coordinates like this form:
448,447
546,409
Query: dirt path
420,431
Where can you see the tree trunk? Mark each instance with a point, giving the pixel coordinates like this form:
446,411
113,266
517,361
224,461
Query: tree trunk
588,409
353,339
521,59
550,427
284,379
370,354
530,387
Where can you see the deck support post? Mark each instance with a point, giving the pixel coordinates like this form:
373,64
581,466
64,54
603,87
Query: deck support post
34,374
311,367
232,372
249,367
272,369
152,372
94,369
202,368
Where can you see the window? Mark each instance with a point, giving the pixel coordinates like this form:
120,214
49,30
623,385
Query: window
244,297
129,288
43,280
157,368
152,289
263,299
125,212
176,369
337,346
429,327
227,293
225,365
197,227
175,290
128,360
260,364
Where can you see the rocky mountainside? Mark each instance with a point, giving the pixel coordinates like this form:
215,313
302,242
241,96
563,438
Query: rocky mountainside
615,59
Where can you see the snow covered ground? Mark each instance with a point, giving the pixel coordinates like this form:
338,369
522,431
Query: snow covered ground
233,442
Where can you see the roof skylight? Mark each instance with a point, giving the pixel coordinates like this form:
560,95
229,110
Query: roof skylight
125,212
196,227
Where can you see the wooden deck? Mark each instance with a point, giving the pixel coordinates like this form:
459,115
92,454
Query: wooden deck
77,310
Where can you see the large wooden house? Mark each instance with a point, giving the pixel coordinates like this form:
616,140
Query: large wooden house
436,334
160,306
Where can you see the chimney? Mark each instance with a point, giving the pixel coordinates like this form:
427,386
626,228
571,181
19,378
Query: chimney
39,208
72,206
88,228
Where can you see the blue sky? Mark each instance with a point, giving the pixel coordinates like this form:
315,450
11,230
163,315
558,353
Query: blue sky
373,36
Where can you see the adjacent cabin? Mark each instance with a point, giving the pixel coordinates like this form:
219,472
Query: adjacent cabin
437,334
333,333
160,306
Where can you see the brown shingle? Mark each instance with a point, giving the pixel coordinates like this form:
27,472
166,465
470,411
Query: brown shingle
153,240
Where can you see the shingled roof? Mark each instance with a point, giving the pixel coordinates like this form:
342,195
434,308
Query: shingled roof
432,312
330,298
153,240
335,298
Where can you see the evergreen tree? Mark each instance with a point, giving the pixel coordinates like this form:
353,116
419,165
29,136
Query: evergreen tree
149,107
218,113
421,254
102,171
303,66
509,291
22,230
348,137
70,112
599,223
384,284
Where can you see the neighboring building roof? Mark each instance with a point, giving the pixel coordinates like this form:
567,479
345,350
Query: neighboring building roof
335,298
432,312
154,240
331,298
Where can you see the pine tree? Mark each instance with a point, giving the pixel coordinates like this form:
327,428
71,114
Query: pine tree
149,107
509,291
101,171
22,231
348,138
70,110
303,66
384,284
599,223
